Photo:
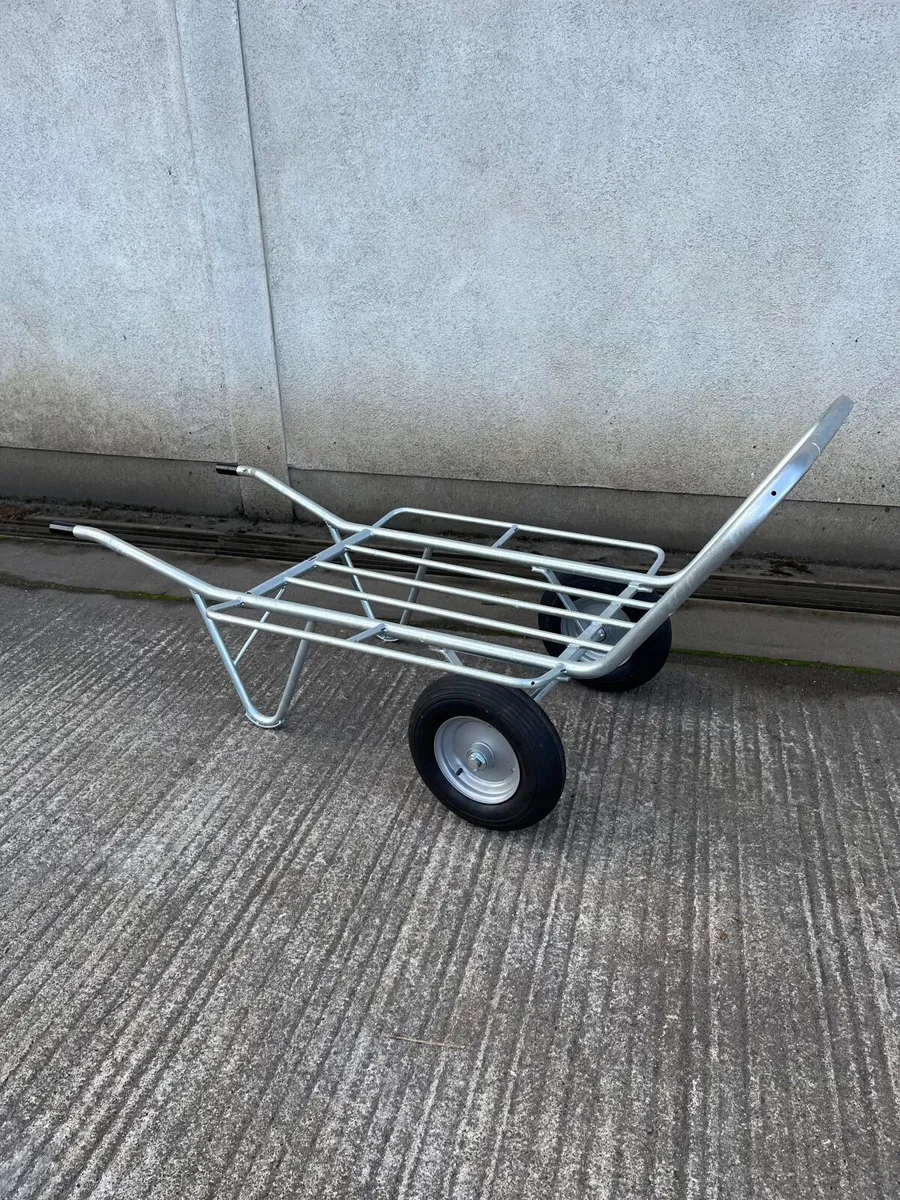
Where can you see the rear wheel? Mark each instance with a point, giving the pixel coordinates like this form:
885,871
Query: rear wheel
489,753
647,660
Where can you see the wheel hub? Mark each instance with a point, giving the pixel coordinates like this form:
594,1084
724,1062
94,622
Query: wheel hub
479,756
573,626
477,759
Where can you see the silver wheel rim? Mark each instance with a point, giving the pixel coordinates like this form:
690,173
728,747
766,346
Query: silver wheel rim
571,626
477,759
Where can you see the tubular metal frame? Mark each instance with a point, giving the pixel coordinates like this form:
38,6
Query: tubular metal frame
437,647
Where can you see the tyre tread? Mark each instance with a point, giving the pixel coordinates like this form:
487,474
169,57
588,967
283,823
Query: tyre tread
647,660
521,720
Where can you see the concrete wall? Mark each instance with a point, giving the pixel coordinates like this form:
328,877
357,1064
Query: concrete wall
627,247
134,317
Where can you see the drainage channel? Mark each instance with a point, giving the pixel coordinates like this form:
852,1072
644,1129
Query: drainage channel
744,588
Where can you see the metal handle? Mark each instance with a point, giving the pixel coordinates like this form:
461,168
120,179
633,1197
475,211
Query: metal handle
782,479
746,518
317,510
831,421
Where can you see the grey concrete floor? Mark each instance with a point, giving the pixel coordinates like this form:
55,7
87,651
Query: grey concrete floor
239,963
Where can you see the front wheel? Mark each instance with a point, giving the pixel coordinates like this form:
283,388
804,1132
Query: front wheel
647,660
490,754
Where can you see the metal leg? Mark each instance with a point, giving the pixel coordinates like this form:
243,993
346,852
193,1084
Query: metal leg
249,642
348,562
557,677
253,713
414,591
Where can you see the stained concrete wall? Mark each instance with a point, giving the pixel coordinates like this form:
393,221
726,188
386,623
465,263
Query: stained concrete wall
134,317
634,246
623,247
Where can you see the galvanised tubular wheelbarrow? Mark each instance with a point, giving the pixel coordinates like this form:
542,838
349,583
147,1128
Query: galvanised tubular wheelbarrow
478,736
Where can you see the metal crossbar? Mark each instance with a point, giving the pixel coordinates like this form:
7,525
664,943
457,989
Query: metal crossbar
600,606
451,663
454,615
469,594
562,535
509,580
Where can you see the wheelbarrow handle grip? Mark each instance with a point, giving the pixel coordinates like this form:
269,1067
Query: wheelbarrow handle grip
295,497
746,518
830,422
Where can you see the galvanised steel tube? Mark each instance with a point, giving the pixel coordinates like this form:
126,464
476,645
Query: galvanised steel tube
526,581
468,594
677,586
386,652
747,518
407,633
432,610
807,450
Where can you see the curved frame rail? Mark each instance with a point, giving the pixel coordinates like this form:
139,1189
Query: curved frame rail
372,635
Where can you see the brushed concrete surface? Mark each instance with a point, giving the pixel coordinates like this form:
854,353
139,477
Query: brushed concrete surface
639,246
241,964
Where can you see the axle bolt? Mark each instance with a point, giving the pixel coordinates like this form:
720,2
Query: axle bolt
479,756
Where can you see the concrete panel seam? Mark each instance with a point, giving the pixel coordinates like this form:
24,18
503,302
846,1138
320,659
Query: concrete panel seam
262,230
207,248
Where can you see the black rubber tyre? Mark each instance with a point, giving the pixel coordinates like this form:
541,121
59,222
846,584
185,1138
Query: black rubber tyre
452,707
647,661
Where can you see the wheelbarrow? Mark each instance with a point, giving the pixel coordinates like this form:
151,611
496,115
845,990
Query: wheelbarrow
479,737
